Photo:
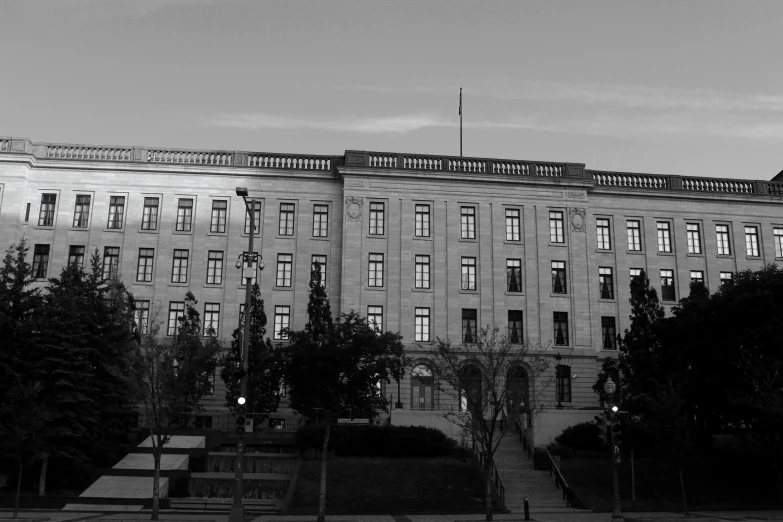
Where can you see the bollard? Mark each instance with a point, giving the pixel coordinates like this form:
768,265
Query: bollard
527,510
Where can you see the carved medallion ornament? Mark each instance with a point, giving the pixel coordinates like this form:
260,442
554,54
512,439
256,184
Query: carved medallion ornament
353,207
578,220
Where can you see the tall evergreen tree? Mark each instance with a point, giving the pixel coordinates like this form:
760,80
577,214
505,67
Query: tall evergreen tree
264,362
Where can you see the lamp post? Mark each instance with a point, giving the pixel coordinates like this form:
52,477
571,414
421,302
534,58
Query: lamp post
247,263
610,388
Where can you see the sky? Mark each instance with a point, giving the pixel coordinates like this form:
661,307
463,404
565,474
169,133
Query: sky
693,88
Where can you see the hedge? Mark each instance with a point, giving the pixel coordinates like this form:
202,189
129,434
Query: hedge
379,441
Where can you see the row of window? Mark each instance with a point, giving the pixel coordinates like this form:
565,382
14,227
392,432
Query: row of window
184,223
179,264
421,223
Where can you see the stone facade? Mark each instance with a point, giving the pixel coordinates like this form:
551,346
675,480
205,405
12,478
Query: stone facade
360,188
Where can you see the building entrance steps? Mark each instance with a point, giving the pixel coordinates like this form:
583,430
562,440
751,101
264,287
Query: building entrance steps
521,480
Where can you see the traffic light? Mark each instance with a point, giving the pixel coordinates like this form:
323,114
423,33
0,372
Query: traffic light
601,421
240,416
617,430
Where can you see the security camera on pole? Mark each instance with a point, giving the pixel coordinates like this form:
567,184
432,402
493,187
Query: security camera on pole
613,416
247,263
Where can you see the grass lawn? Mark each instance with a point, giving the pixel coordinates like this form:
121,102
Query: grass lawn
710,483
383,485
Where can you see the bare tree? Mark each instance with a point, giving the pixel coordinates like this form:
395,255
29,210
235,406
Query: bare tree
168,379
490,378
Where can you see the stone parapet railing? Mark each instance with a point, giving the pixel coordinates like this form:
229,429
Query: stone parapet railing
392,161
386,160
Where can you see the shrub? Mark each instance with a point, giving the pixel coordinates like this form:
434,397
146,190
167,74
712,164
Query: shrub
378,441
581,437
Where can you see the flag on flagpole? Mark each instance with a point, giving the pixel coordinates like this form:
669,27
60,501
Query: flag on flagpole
460,101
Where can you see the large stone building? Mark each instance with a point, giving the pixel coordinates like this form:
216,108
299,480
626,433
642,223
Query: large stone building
425,245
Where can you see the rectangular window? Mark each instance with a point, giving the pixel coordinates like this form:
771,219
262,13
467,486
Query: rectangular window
40,261
514,275
282,322
667,285
694,238
144,268
635,272
176,311
320,220
179,267
752,241
211,319
634,229
468,222
215,267
284,268
184,215
422,224
141,317
81,213
256,217
218,222
561,328
664,237
722,235
468,273
76,255
286,225
726,277
697,276
111,262
422,325
469,321
563,383
375,317
605,283
376,218
558,277
556,227
778,241
515,333
116,212
321,260
46,215
375,272
422,274
512,224
149,218
602,231
608,333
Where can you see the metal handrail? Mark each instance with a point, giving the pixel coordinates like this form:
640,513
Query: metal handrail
525,443
560,482
497,482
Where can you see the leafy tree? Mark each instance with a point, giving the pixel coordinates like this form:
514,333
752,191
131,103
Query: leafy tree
333,367
476,376
264,362
193,349
170,379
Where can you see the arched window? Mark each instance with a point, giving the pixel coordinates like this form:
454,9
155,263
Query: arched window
563,383
421,388
470,391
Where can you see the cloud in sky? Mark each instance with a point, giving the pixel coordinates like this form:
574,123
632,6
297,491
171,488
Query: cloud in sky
628,96
600,125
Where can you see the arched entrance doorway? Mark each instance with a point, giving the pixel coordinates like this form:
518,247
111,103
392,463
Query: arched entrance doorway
470,394
518,397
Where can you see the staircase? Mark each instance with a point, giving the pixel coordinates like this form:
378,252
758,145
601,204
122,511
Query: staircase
521,480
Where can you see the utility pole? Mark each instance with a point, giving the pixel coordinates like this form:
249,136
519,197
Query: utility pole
460,122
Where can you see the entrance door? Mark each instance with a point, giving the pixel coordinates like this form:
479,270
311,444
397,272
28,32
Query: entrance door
518,397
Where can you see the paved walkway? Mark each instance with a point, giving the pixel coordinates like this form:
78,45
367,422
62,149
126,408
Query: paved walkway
548,515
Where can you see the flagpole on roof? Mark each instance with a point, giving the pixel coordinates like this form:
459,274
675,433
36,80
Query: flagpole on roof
460,122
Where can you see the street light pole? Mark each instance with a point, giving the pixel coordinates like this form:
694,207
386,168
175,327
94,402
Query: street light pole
617,514
237,513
